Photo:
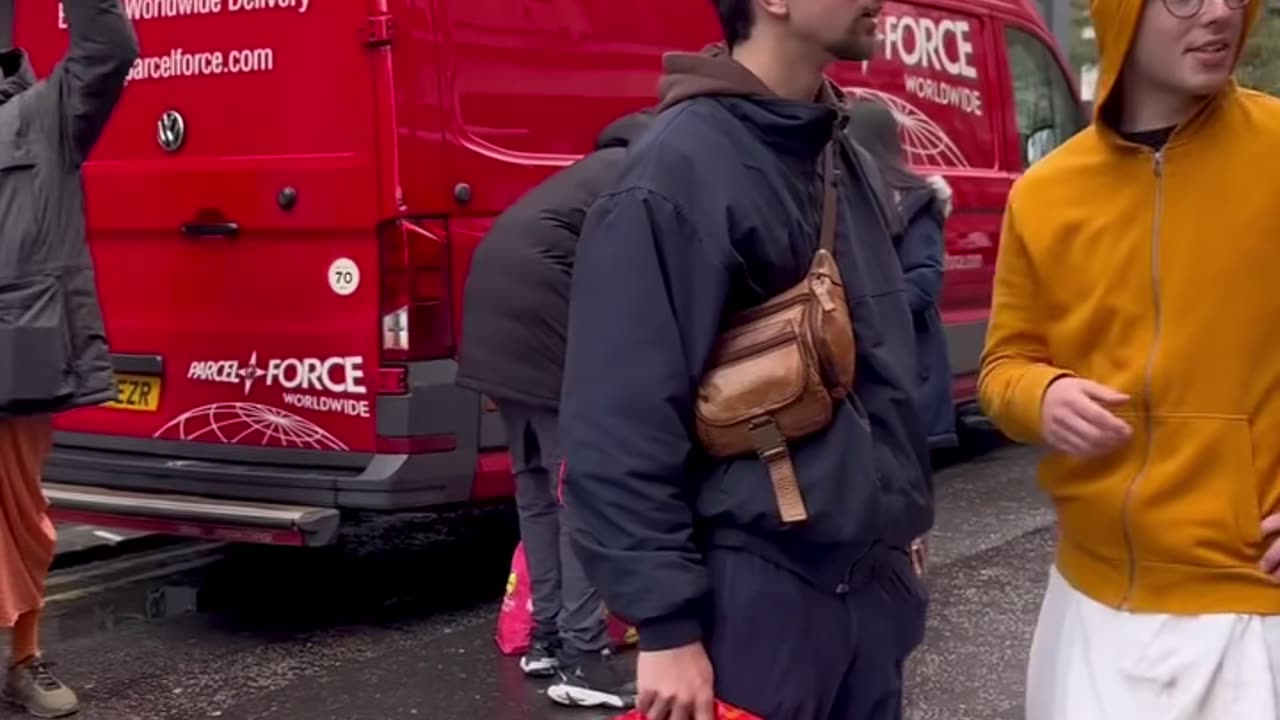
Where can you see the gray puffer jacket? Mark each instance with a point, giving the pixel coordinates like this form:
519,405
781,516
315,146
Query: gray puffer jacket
53,348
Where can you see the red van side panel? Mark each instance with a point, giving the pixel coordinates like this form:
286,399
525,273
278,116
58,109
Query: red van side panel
214,256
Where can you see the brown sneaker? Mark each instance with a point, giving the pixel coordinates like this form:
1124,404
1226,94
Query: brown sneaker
34,688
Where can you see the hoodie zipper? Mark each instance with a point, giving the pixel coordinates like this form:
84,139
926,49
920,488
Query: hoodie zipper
1127,507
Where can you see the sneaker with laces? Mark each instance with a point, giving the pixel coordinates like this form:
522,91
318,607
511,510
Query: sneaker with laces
541,661
593,680
31,685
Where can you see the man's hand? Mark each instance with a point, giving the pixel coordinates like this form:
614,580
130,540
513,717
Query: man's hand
919,552
676,684
1271,533
1076,420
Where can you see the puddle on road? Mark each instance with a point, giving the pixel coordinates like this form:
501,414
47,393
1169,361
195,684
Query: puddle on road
116,610
390,571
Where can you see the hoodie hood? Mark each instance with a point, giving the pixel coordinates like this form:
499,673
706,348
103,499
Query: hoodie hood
793,126
18,73
622,131
1115,22
710,72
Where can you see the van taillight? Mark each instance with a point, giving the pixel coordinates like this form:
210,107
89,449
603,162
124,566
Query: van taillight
416,321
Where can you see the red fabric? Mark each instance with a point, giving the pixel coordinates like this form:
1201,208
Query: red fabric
515,617
27,536
724,711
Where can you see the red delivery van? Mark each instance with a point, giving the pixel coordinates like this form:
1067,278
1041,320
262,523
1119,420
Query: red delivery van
283,208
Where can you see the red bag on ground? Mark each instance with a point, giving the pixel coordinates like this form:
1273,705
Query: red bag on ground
724,711
515,617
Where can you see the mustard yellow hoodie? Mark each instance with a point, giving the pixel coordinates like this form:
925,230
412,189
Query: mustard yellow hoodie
1157,274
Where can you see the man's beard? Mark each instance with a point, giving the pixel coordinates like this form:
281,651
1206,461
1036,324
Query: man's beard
854,49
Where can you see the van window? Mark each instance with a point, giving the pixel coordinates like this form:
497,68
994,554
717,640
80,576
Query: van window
1044,105
933,67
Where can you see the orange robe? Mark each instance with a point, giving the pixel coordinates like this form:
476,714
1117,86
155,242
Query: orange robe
26,532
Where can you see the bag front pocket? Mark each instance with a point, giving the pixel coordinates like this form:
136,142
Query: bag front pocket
34,349
765,371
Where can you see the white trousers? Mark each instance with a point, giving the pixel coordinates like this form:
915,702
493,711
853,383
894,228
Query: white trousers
1092,662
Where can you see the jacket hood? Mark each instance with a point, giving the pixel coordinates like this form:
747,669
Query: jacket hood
941,194
1115,22
797,126
710,72
622,131
18,73
931,199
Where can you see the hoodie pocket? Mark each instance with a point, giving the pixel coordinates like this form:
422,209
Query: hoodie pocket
34,343
1197,504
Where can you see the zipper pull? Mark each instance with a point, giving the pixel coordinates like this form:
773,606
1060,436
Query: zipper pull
1159,162
820,286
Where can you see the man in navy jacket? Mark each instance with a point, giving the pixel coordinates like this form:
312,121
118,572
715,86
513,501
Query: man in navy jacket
716,210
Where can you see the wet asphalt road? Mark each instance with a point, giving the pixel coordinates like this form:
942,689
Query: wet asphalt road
388,628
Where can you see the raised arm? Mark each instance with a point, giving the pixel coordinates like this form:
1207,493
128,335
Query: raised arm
73,104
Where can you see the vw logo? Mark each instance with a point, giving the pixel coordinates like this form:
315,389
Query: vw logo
171,130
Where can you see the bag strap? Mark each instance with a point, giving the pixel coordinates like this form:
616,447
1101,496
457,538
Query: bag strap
830,203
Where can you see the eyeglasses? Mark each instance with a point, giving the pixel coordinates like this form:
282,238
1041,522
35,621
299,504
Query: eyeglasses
1187,9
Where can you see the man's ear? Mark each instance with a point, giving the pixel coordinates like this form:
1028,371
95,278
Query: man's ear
774,8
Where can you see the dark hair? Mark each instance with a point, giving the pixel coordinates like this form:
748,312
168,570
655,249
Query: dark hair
874,126
736,19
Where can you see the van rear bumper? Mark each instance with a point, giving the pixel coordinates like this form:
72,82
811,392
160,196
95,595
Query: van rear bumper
382,482
135,479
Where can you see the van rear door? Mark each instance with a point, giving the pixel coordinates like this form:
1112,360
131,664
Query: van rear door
233,204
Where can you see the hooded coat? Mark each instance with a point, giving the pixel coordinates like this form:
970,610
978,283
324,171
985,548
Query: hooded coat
921,207
516,300
1149,271
716,210
53,347
920,251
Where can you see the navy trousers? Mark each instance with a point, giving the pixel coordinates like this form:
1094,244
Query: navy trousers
785,649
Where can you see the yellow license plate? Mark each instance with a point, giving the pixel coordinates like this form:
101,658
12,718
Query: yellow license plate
137,392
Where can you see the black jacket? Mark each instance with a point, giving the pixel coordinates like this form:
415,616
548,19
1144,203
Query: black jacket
53,347
516,301
920,250
717,209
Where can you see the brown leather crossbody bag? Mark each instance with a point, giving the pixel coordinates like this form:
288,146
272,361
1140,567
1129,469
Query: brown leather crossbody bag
778,368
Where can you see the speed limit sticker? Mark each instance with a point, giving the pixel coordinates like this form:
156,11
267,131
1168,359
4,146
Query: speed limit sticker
344,276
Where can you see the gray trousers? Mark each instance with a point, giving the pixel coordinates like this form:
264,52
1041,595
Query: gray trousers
565,605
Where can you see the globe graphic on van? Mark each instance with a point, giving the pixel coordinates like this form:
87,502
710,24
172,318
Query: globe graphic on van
248,424
924,140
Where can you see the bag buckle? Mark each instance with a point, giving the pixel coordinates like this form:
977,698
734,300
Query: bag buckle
771,446
767,438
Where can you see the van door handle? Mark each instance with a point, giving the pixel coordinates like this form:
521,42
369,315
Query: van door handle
210,229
